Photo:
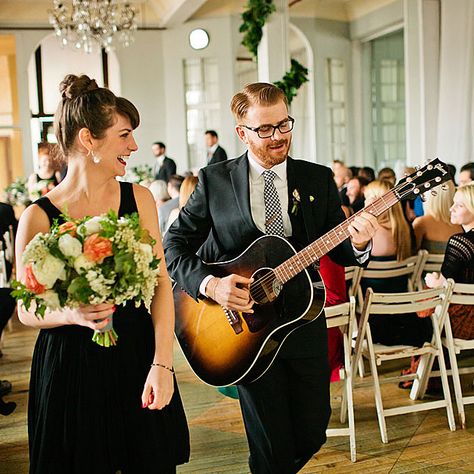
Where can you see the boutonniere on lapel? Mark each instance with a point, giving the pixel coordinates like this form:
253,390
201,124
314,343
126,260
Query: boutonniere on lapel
296,202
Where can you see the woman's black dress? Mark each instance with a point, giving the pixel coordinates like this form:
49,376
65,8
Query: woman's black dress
85,413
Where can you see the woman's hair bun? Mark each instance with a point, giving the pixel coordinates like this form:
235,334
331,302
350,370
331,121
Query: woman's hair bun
73,86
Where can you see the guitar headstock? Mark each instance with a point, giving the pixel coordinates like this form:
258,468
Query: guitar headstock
424,179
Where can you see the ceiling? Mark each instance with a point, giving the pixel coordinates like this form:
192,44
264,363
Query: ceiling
169,13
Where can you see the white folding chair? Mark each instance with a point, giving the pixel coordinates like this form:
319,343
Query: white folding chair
462,294
403,303
432,263
352,276
342,316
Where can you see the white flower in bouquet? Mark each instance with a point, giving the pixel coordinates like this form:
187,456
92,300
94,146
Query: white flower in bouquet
91,226
48,270
146,251
82,264
51,299
69,246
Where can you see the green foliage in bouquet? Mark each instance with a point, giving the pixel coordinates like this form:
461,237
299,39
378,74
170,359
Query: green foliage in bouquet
89,261
293,80
254,18
16,194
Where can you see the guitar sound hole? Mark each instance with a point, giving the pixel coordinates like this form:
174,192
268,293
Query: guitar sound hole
265,287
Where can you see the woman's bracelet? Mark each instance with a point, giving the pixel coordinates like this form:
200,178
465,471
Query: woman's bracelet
164,367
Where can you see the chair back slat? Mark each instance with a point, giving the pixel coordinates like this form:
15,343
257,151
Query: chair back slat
463,293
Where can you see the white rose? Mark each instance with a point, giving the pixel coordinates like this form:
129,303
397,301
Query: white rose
51,299
48,270
92,226
146,251
82,264
69,246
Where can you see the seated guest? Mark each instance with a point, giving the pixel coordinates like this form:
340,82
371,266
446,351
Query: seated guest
187,188
433,230
164,210
48,174
458,261
466,174
159,189
387,174
392,241
355,193
342,175
367,172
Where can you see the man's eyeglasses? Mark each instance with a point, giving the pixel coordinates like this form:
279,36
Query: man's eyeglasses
267,131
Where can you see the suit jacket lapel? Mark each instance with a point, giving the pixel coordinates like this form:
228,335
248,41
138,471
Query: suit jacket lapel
240,182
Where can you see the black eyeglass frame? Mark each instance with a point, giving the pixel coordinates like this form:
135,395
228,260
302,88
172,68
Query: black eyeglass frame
291,120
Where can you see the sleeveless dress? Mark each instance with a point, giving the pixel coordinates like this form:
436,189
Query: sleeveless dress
85,413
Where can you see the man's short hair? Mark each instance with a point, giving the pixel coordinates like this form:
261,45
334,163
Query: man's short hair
160,144
468,167
258,93
175,181
213,133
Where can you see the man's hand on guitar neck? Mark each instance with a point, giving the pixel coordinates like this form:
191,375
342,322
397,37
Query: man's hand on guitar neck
231,292
362,229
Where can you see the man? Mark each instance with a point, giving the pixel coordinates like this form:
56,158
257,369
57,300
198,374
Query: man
355,192
164,167
286,410
466,174
215,153
342,175
174,185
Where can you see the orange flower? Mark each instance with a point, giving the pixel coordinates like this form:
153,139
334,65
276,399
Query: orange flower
31,282
68,228
97,248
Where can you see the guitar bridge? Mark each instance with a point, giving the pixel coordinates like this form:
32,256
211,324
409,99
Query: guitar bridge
234,320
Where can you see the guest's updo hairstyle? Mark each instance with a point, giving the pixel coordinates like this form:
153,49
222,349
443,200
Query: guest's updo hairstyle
86,105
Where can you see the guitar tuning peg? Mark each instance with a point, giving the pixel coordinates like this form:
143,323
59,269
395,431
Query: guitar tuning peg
427,185
444,187
423,197
433,192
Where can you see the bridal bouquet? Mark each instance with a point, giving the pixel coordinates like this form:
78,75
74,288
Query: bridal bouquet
40,188
89,261
16,194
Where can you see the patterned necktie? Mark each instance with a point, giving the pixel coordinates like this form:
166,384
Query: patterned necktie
273,215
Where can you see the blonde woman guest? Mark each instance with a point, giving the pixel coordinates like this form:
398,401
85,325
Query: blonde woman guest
93,409
458,261
187,188
433,230
393,241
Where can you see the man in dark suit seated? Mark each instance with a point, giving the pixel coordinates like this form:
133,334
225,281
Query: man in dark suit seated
287,409
164,166
215,153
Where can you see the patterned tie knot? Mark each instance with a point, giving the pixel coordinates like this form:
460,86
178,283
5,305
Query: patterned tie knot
269,176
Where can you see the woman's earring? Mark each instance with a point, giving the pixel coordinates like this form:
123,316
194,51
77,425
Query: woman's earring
95,158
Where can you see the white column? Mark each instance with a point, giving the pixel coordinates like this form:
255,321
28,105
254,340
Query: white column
421,38
273,50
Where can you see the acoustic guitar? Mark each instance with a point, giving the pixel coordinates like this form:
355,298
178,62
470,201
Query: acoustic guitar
225,347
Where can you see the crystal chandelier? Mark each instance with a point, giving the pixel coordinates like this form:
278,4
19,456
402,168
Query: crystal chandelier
90,25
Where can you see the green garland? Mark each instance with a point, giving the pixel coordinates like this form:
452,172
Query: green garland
254,19
293,80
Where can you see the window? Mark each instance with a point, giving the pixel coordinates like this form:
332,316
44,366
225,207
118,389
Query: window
388,101
336,103
201,87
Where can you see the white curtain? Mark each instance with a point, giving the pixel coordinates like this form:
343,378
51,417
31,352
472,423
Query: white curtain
455,137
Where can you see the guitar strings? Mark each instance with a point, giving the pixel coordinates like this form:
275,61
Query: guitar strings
260,292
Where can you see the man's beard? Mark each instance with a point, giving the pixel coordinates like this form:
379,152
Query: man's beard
268,157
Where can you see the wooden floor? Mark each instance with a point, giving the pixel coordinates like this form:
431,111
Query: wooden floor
419,443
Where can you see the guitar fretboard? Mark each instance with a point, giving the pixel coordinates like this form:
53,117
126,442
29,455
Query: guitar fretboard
294,265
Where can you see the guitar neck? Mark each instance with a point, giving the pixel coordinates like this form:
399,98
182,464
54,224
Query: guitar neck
320,247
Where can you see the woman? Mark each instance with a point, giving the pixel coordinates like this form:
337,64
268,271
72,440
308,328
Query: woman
458,261
393,242
94,409
434,228
48,175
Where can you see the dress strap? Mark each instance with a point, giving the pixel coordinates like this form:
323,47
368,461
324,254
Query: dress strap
51,210
127,199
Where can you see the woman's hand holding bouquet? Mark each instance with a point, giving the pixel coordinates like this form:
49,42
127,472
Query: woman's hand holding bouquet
90,265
